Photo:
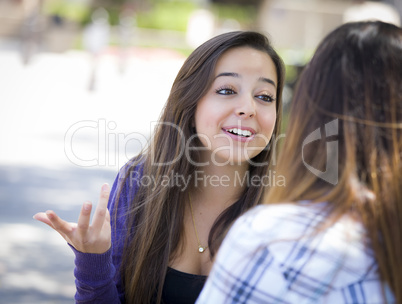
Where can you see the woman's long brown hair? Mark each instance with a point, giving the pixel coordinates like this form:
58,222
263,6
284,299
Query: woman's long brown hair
155,217
351,91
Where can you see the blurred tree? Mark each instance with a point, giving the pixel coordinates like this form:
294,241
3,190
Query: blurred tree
120,4
239,2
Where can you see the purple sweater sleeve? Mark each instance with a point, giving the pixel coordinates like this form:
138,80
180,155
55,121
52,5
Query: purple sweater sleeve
98,278
95,275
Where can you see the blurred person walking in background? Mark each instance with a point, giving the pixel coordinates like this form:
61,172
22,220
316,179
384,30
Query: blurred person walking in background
171,206
333,234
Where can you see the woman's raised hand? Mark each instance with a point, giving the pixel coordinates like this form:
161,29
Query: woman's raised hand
83,236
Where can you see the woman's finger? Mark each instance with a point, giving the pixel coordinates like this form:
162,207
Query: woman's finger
84,218
42,217
58,224
101,209
107,219
106,223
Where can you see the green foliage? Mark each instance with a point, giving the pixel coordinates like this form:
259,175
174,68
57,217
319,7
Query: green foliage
291,74
172,15
244,14
158,14
70,10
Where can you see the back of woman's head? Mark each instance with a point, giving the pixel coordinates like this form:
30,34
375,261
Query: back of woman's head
351,90
344,139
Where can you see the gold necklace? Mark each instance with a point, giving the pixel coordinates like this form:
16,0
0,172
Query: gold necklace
201,249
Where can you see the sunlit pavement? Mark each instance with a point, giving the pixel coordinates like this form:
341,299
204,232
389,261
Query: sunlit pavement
59,142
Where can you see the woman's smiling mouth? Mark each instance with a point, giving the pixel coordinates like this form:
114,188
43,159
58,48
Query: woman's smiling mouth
240,134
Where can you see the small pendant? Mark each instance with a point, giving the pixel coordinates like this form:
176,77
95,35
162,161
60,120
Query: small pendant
201,249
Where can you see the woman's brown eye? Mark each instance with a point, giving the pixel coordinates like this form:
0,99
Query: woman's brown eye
266,98
225,92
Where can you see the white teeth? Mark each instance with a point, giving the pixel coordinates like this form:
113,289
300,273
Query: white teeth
245,133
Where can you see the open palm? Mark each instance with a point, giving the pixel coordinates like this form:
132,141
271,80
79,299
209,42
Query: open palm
83,236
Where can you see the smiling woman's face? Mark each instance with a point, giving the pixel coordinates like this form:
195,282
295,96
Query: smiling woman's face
236,118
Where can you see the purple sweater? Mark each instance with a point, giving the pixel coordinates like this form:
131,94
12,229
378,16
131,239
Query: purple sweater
97,276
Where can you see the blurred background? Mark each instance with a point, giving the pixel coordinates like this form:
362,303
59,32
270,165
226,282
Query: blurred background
82,83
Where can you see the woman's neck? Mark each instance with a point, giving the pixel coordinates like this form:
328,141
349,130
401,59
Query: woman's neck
220,184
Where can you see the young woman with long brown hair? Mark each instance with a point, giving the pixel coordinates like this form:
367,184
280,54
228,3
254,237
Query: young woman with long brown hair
334,233
171,206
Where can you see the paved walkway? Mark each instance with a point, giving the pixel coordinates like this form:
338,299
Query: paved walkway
51,128
36,265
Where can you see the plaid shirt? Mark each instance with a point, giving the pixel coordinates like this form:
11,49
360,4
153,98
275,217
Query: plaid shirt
270,256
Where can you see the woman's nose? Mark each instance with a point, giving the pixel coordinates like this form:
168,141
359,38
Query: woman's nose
246,108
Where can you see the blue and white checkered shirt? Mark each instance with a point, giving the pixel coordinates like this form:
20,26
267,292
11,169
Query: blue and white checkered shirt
271,256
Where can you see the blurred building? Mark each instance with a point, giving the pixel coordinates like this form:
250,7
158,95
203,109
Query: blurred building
301,24
296,27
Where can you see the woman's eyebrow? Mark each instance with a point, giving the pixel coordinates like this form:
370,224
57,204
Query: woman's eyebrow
268,80
230,74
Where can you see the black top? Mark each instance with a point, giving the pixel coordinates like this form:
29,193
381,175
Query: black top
181,287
